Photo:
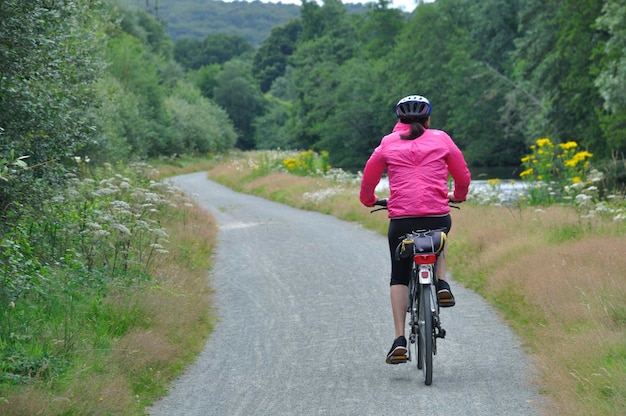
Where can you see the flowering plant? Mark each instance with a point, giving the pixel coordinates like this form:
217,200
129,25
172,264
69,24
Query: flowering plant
551,169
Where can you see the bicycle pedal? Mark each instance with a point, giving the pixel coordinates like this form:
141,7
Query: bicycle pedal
441,333
446,303
398,359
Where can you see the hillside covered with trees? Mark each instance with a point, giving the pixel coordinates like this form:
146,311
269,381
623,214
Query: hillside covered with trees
197,19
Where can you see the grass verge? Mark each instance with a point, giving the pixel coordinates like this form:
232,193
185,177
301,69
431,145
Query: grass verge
130,342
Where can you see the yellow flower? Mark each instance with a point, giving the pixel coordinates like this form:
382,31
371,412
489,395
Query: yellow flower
571,163
583,155
576,179
494,182
290,164
544,142
526,172
569,145
525,159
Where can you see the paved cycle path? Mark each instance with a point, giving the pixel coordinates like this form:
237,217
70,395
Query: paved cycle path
305,323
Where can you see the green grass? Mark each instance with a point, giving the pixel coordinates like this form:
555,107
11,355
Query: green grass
98,341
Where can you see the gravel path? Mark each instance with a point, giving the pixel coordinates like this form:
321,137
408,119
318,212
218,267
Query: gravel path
305,323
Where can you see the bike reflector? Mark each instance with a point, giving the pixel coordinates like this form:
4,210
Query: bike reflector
425,275
424,258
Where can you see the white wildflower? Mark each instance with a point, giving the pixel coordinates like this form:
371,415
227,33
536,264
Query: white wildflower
121,228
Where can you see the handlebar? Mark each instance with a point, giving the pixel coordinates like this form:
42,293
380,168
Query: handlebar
382,202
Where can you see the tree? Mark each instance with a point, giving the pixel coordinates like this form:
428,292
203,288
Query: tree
136,70
239,95
379,27
270,61
466,95
49,63
198,125
494,25
214,49
553,59
148,29
611,74
327,41
358,116
205,78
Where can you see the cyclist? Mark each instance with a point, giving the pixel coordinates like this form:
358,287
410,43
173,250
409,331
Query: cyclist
417,160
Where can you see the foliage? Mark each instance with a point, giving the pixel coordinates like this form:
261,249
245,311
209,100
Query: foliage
308,163
147,29
238,94
199,126
271,130
141,92
499,74
196,19
552,170
205,79
49,60
379,28
213,49
153,111
102,232
76,333
270,61
611,74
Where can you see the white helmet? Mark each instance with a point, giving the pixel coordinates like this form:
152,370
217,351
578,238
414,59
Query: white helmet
413,106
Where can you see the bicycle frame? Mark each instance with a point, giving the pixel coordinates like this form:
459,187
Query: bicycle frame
424,321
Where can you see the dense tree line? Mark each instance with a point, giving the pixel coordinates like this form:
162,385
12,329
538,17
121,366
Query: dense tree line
195,19
100,80
500,75
94,80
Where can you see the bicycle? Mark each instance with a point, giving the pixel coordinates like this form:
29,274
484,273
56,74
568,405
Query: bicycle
424,247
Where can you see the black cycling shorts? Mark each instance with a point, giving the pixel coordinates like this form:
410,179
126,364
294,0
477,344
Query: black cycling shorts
398,227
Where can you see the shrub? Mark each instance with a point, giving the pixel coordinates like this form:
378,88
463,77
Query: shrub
551,169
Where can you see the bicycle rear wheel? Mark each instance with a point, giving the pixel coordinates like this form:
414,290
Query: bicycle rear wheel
414,320
425,334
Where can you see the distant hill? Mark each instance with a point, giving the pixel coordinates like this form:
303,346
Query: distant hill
198,18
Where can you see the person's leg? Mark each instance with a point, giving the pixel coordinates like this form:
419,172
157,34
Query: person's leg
441,265
399,301
444,294
399,294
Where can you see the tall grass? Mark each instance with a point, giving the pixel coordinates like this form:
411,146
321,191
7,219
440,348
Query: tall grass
104,297
555,274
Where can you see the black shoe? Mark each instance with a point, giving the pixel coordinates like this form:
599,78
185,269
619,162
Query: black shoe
398,351
444,294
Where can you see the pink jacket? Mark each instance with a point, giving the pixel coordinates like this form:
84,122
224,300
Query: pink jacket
418,173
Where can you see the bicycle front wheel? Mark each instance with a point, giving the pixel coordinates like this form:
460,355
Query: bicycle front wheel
426,334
